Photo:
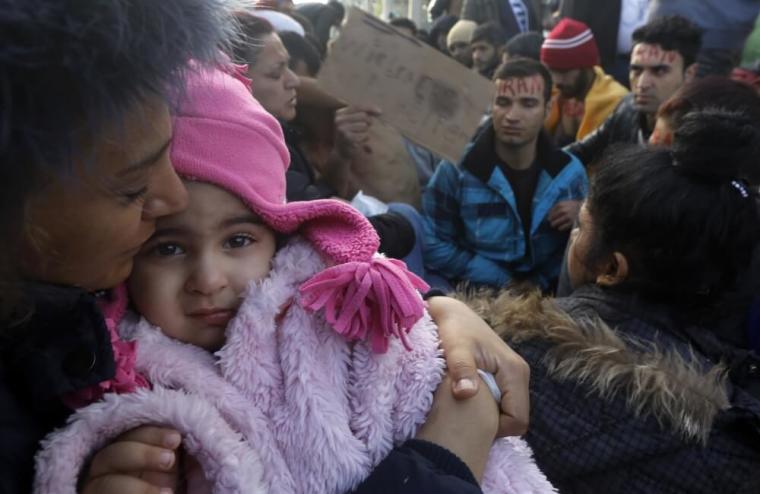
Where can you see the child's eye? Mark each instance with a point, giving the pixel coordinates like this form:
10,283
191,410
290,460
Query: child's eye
238,241
169,250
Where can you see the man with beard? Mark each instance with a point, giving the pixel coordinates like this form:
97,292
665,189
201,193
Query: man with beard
493,219
487,44
458,42
584,95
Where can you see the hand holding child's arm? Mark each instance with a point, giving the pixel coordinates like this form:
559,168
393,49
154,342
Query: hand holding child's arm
470,344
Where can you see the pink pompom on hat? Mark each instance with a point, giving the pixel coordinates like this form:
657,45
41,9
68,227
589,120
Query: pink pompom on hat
570,45
223,136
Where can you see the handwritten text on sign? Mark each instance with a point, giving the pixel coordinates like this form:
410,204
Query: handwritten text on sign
429,97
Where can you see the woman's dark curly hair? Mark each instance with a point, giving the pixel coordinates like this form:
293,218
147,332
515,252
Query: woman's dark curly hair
683,219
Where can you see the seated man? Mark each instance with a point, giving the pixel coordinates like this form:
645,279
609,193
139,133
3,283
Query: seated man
662,60
585,96
505,211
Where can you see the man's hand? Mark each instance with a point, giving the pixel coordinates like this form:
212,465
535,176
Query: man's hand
563,215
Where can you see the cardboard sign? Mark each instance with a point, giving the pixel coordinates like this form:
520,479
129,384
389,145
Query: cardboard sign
430,98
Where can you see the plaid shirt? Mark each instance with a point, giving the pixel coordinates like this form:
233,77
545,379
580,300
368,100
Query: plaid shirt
473,231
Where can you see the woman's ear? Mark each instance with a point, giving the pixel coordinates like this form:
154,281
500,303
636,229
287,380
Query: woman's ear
615,272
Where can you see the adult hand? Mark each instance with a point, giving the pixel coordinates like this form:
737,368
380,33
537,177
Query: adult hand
142,460
563,215
352,124
467,428
470,344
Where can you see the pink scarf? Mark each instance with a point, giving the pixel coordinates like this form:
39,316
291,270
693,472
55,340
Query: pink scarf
126,379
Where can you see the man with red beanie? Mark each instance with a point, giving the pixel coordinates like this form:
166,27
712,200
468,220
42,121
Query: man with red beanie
584,95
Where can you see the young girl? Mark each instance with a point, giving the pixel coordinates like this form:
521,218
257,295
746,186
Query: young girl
324,358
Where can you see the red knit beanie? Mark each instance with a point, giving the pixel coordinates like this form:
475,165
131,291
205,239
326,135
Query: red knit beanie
570,45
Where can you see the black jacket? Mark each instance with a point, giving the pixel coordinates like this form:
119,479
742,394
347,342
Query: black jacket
65,346
419,467
641,408
300,179
481,11
626,125
322,17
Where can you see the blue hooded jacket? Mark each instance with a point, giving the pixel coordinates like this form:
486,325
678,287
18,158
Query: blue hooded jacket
473,231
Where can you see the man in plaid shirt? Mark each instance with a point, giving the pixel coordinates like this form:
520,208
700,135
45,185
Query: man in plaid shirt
504,212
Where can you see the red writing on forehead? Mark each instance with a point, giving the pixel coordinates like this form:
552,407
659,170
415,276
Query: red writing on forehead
520,86
653,55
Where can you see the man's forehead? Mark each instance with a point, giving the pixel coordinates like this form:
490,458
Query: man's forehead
648,55
520,86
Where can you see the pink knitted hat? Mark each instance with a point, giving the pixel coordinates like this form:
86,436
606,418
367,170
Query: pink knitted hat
223,136
570,45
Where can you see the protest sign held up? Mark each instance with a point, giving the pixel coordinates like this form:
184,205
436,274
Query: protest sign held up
428,97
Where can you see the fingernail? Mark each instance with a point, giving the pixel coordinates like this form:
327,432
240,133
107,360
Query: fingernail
172,440
166,459
165,490
465,384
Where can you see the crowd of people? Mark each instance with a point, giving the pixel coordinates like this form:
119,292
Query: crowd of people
218,277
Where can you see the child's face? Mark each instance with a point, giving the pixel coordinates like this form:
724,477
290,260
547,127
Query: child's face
188,278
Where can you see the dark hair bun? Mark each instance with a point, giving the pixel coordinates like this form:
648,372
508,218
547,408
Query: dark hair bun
716,144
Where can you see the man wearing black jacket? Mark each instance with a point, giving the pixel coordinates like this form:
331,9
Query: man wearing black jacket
662,60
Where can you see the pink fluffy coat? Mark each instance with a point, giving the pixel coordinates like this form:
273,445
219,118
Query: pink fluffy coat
287,406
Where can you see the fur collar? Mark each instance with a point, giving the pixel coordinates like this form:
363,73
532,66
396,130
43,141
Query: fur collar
677,391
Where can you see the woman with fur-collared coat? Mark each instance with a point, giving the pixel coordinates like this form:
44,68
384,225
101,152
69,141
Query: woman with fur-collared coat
633,387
